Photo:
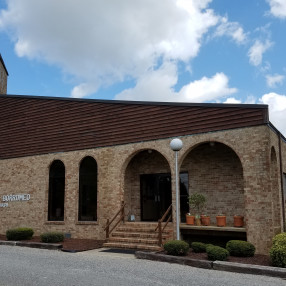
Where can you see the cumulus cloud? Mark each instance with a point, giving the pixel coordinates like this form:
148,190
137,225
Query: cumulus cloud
158,86
256,52
103,42
274,80
278,8
277,109
231,29
232,100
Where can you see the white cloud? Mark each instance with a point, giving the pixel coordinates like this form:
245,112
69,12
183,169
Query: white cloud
232,100
231,29
103,42
158,86
274,80
277,109
256,52
278,8
207,89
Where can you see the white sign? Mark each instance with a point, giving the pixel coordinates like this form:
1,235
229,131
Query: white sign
11,198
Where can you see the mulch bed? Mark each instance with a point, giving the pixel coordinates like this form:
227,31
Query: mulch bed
71,244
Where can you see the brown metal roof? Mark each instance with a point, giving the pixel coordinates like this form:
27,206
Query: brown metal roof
38,125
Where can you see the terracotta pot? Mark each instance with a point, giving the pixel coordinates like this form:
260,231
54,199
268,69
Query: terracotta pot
221,220
190,219
205,220
238,221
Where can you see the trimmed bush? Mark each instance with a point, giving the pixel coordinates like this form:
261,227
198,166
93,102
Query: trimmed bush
20,233
176,247
52,237
279,239
198,247
217,253
240,248
278,255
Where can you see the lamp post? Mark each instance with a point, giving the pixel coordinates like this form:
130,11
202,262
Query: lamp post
176,145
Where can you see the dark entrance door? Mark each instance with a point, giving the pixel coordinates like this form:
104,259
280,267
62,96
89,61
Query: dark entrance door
156,195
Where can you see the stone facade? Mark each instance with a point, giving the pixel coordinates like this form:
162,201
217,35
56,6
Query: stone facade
3,77
239,175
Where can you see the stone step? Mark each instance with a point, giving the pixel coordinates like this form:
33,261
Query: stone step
134,240
138,234
123,228
132,246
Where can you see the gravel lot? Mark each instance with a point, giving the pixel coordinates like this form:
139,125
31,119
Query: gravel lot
27,266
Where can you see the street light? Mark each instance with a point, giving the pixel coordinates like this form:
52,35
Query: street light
176,145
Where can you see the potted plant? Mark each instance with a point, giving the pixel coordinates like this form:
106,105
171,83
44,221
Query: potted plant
197,201
238,221
221,220
190,219
205,219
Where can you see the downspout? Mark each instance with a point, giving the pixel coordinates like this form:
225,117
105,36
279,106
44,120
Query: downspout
282,184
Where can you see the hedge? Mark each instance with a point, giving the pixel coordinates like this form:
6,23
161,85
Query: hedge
52,237
20,233
240,248
278,250
198,247
176,247
216,253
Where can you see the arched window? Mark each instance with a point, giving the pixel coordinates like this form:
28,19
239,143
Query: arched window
87,209
56,191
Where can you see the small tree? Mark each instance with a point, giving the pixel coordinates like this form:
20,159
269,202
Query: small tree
197,201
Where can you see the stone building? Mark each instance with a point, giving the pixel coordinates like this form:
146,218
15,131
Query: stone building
3,76
68,164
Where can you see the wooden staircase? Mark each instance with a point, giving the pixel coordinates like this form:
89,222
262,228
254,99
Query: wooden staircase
138,235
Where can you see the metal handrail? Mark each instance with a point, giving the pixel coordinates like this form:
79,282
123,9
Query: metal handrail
159,226
108,223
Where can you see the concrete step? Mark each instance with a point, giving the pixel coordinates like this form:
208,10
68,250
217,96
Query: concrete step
132,246
138,234
134,240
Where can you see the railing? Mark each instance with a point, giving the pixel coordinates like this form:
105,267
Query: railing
121,218
161,222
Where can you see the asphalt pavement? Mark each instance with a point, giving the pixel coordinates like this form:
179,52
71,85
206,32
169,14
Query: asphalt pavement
20,266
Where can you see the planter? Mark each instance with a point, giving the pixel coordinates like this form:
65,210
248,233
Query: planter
205,220
238,221
221,220
190,219
198,221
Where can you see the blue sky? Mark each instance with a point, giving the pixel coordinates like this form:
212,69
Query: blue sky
226,51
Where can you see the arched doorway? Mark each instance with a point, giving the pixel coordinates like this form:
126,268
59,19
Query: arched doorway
147,190
215,170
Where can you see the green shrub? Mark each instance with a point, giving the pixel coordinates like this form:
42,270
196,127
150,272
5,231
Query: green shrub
240,248
279,239
52,237
20,233
176,247
217,253
198,247
278,255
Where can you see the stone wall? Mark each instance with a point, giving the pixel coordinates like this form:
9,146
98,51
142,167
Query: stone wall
3,80
246,152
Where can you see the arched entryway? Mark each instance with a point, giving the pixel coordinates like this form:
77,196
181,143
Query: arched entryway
147,185
215,170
